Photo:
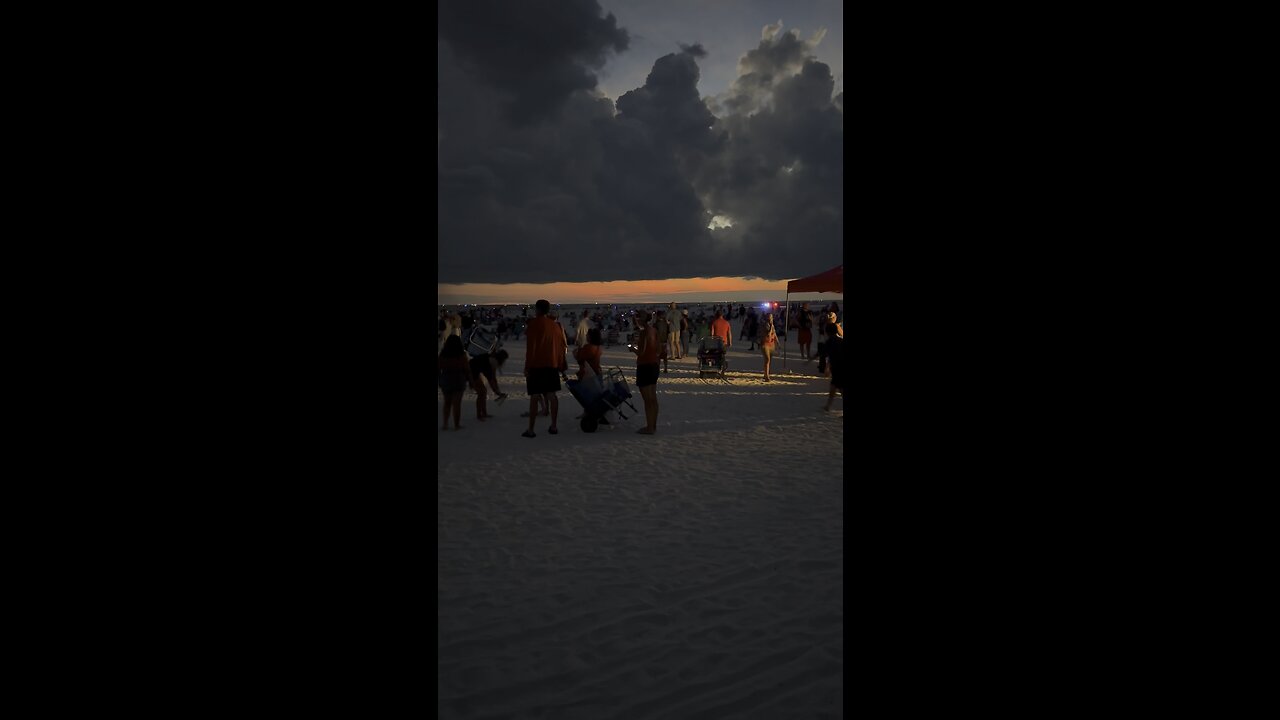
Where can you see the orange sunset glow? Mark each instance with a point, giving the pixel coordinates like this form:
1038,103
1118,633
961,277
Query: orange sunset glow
686,290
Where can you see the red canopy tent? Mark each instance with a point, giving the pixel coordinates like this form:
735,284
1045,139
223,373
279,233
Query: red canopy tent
830,281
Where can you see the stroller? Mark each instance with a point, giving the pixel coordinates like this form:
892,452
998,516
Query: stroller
712,360
598,396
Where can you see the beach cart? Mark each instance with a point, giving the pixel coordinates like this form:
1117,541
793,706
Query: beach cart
600,395
713,362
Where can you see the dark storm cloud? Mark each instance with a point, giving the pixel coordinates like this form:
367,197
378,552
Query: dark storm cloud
778,175
540,53
540,181
669,106
695,50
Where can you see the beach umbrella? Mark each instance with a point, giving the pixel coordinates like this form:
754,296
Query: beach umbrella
830,281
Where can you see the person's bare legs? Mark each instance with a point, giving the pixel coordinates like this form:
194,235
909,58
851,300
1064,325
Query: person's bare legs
831,396
541,405
533,410
457,411
650,395
498,395
445,415
481,412
553,401
767,357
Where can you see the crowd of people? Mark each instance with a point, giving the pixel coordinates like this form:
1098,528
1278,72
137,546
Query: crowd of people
470,354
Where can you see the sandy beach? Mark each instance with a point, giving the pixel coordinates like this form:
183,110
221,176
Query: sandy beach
695,573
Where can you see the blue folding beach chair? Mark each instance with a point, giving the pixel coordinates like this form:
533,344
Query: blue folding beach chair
598,396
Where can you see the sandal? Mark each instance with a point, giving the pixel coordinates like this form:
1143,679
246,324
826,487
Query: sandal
528,433
553,431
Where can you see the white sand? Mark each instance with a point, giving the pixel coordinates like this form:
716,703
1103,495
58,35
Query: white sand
696,573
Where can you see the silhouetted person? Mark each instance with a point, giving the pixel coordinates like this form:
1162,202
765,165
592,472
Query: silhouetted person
806,332
837,362
686,330
454,373
485,366
663,328
672,340
646,350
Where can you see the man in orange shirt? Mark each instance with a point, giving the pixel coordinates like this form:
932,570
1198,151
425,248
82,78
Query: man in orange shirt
720,328
544,360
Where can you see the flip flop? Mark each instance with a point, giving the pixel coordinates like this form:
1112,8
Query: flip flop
553,431
526,433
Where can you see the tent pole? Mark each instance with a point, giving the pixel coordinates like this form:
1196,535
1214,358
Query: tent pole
786,328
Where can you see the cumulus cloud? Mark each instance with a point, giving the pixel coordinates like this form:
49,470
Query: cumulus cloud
542,180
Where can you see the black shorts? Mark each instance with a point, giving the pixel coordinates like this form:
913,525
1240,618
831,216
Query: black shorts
646,375
542,380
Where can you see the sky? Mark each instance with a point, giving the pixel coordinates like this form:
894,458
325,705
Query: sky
682,290
726,29
638,147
